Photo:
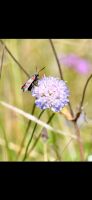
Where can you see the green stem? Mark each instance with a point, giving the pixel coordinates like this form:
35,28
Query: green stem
26,132
40,134
25,155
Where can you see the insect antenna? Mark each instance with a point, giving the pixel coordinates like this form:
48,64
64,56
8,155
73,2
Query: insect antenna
41,69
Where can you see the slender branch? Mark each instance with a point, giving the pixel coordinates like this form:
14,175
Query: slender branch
2,58
60,71
85,87
55,54
82,99
14,58
71,111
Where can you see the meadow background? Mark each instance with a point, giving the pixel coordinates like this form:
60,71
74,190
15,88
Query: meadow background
38,52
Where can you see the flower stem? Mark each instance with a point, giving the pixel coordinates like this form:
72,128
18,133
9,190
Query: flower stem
71,110
49,120
85,87
55,54
25,134
27,147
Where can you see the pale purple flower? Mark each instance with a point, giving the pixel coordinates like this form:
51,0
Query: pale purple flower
51,93
79,64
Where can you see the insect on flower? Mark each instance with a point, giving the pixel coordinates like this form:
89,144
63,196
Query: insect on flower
33,80
51,93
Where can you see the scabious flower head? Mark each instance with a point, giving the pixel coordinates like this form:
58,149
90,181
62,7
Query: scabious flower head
51,93
79,64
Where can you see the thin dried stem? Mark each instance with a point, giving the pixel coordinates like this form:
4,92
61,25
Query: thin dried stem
82,99
55,54
9,52
84,91
71,111
60,71
2,58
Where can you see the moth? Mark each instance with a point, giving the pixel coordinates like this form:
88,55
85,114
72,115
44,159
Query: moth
31,82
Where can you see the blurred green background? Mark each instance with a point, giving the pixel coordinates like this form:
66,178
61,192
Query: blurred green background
38,52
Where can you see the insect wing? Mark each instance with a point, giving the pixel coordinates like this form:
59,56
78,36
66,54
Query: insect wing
28,83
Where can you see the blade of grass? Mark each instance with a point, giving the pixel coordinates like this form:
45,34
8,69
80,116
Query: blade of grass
33,118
